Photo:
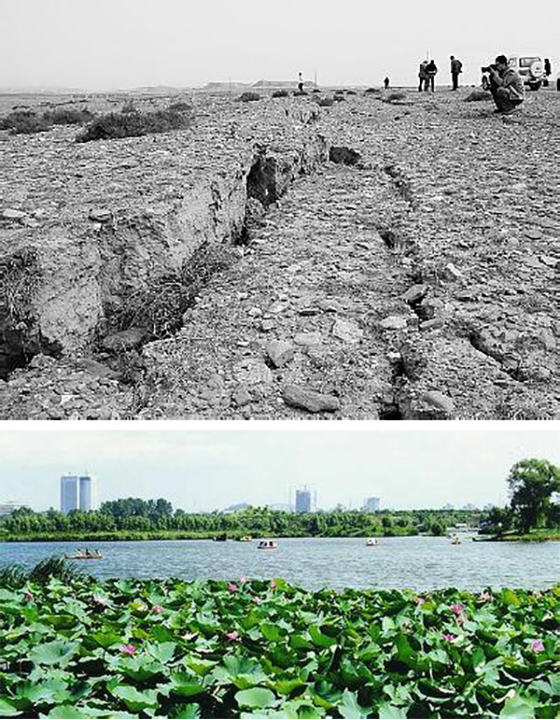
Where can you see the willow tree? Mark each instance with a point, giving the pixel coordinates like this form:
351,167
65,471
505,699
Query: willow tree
531,484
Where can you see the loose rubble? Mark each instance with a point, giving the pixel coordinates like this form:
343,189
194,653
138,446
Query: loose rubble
414,275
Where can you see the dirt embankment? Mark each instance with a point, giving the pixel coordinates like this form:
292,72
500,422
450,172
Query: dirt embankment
421,282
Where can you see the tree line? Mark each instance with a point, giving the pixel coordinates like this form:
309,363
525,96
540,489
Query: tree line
531,486
137,515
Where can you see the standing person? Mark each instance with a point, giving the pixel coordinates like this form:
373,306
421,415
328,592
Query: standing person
509,91
386,83
547,71
456,70
423,76
431,72
300,82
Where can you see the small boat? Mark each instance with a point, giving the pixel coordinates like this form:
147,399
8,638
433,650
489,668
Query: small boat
85,555
267,545
456,540
245,538
372,542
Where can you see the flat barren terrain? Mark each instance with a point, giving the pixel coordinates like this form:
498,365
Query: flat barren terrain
391,256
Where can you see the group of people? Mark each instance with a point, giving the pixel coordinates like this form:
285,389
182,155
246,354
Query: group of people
428,71
506,85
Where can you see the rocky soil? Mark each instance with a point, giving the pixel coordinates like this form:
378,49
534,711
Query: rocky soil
419,280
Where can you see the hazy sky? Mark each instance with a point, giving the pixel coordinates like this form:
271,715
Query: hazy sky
110,44
407,466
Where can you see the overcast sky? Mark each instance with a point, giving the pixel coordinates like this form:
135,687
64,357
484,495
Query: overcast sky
407,466
110,44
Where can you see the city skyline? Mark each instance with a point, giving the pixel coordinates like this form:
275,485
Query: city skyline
200,470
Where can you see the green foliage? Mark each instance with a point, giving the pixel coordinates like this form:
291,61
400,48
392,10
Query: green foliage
133,123
136,519
531,484
186,650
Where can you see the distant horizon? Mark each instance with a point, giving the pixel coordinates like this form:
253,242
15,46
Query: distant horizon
140,43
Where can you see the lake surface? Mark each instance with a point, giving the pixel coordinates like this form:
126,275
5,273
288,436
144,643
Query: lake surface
420,563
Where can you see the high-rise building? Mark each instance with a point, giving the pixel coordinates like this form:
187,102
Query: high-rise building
88,493
69,493
372,504
303,501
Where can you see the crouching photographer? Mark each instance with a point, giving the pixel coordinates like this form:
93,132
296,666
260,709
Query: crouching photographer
506,86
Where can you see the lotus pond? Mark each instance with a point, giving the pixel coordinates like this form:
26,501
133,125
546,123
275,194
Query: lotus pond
142,648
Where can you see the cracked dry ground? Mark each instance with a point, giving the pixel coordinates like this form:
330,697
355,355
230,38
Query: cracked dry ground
423,285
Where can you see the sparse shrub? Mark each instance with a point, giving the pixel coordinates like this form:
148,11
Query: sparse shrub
351,92
339,92
316,91
478,95
396,96
67,116
181,107
129,107
300,93
280,94
24,122
249,97
134,123
325,102
339,98
372,91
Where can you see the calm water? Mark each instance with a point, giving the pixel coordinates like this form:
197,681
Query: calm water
420,563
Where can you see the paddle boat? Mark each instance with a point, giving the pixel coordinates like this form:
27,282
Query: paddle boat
85,555
372,542
456,540
245,538
267,545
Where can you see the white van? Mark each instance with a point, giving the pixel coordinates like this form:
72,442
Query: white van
530,68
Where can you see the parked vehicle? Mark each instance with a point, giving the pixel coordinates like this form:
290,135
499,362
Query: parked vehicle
531,69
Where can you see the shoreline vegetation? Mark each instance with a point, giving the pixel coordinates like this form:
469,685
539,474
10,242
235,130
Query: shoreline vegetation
72,646
123,536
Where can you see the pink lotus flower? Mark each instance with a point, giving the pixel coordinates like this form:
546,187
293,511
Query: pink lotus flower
28,595
457,609
233,636
449,638
537,646
244,580
232,587
257,600
273,584
158,609
419,600
99,600
485,597
127,649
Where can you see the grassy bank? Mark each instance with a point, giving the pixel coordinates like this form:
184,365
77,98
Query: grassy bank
127,535
127,648
534,536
